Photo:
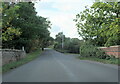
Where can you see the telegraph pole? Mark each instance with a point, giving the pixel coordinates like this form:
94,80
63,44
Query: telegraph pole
62,40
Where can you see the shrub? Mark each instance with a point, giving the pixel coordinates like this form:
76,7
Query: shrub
70,45
57,46
87,49
74,48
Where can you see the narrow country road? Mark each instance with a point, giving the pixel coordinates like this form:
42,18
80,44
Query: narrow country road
52,66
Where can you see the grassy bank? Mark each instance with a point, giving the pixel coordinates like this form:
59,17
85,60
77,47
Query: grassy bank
61,50
110,61
29,57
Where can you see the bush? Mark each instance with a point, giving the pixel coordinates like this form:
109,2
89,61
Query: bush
70,45
57,46
87,49
73,48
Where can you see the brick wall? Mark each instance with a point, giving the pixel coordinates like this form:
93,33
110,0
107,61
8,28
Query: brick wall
9,55
112,50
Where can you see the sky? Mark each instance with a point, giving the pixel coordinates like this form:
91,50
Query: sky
61,14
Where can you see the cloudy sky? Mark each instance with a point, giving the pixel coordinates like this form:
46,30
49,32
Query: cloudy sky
61,14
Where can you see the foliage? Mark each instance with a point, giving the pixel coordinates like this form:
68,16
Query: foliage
87,49
100,23
106,61
29,57
8,14
59,37
10,33
71,45
22,27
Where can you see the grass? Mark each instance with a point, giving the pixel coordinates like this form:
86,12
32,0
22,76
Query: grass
66,52
71,53
61,50
110,61
29,57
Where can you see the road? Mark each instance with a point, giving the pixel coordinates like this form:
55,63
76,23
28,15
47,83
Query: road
52,66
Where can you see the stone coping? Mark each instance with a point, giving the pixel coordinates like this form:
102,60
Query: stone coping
10,50
110,46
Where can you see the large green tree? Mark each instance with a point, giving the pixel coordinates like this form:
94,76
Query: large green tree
33,29
8,14
100,23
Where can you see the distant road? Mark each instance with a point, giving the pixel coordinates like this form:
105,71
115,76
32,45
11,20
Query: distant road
52,66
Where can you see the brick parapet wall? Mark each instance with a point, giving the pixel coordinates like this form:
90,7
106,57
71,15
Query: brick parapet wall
10,55
112,50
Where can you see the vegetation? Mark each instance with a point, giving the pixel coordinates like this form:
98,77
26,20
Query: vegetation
110,61
28,58
23,27
87,49
70,45
100,23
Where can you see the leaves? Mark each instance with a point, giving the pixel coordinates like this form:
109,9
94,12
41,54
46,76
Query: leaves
22,27
100,21
70,45
10,33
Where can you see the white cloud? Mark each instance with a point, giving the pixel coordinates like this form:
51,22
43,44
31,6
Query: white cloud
66,24
61,14
66,1
71,5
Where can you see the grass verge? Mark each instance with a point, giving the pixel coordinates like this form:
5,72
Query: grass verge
29,57
61,50
66,52
110,61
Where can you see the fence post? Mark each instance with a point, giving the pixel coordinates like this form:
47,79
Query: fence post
23,48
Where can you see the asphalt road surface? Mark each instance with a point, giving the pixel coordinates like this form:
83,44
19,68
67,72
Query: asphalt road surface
52,66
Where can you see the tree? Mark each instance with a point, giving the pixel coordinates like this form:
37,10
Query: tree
8,14
71,45
59,37
33,29
100,23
